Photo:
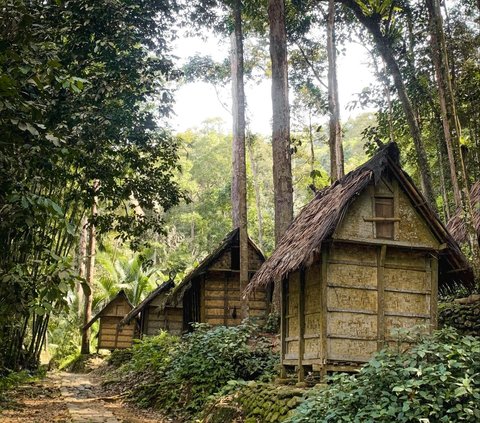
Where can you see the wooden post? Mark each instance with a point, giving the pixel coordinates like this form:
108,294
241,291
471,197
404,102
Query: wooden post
324,312
283,329
382,252
434,297
301,325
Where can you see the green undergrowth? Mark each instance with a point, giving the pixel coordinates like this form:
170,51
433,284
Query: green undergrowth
437,380
179,376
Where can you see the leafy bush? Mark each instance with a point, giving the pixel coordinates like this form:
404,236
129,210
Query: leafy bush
179,377
438,380
152,354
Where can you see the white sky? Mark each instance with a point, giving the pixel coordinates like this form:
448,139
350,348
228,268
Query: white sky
196,102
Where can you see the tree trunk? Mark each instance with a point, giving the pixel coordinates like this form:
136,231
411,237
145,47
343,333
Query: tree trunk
82,253
282,168
281,154
90,271
239,169
335,138
452,130
256,188
386,52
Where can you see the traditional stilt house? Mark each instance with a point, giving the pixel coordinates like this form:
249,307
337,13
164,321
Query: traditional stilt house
365,256
456,225
154,315
110,336
209,294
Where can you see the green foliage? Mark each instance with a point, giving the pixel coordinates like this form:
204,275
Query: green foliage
77,84
179,377
206,360
436,380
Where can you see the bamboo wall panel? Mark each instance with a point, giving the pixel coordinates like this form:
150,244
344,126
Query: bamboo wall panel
352,275
348,350
351,299
405,259
351,253
292,321
353,226
407,280
412,227
406,303
353,325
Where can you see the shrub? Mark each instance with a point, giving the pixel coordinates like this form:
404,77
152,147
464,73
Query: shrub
180,379
438,380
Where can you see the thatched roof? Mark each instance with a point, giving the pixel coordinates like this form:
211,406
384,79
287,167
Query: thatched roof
163,288
318,220
456,225
120,294
174,297
232,239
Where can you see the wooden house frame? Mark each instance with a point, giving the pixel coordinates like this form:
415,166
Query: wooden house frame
110,335
154,315
367,255
210,293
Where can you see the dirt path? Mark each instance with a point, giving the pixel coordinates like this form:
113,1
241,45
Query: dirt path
71,398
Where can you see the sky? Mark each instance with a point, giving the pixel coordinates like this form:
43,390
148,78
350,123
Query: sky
196,102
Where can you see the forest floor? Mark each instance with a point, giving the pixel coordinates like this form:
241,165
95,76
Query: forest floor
71,398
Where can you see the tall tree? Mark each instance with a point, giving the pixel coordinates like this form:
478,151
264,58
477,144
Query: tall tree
452,129
376,16
282,168
335,133
239,168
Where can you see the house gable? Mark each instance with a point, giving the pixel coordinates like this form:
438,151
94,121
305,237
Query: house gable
408,227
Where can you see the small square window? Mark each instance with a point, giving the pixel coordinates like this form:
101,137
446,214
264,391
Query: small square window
384,209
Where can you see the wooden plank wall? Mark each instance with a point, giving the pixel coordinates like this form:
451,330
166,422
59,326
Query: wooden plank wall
222,302
109,337
169,319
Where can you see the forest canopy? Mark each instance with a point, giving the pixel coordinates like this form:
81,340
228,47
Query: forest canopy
90,167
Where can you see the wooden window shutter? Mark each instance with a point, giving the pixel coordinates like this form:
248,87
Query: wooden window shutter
384,209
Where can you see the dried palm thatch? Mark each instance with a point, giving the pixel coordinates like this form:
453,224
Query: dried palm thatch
456,224
317,221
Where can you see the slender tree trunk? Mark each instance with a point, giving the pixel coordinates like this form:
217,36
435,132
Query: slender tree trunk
282,168
82,253
256,188
282,164
335,138
386,52
90,271
239,175
452,130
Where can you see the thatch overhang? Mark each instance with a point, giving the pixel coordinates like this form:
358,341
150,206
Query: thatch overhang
163,288
120,294
317,221
456,225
